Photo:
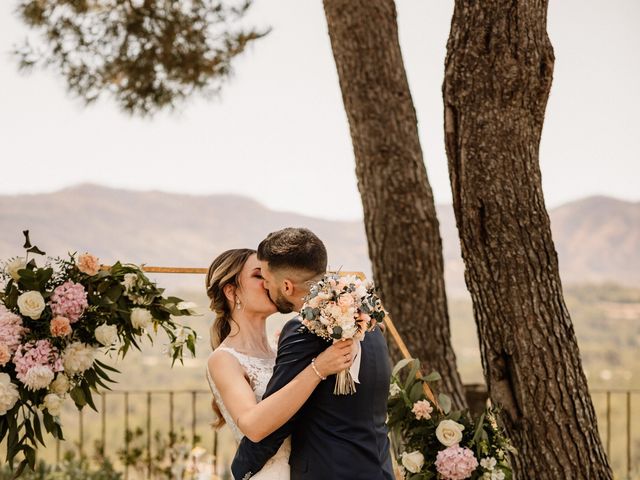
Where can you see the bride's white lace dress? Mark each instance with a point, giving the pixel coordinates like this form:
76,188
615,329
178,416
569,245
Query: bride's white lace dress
259,371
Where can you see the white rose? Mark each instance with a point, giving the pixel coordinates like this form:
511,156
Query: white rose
14,265
53,403
394,389
449,432
140,317
8,393
413,461
38,377
77,358
31,304
60,385
106,334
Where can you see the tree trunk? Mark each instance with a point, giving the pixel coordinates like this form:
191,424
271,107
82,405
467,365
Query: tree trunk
399,212
498,75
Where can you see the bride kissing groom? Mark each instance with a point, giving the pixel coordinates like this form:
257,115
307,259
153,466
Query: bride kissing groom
281,405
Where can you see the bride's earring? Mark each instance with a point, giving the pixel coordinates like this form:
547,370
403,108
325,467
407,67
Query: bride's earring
238,304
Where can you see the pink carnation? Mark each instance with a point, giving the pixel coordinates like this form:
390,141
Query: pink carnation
36,354
60,327
422,409
456,463
11,329
69,300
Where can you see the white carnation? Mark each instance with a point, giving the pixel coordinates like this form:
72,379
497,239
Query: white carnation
14,265
413,461
37,377
31,304
8,393
449,432
106,334
140,317
60,385
78,357
53,403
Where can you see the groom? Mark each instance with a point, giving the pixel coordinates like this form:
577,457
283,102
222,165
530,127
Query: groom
333,437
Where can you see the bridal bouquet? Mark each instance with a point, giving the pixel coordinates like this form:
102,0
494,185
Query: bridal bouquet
342,307
54,321
440,443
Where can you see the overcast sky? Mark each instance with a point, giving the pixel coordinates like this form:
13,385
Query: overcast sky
279,132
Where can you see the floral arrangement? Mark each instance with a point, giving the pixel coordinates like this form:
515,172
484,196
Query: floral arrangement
54,320
342,307
431,441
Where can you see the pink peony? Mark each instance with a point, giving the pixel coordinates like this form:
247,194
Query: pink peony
422,409
69,300
34,361
346,301
60,327
88,264
456,463
11,329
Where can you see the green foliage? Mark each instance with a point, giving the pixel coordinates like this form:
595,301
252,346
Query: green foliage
412,434
148,54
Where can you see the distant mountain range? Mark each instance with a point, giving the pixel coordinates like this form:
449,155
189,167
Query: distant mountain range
597,238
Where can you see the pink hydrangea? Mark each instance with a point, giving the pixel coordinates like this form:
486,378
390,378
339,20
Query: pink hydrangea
11,329
456,463
69,300
36,354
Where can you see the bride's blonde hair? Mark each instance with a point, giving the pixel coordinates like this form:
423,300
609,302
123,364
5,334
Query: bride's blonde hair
224,270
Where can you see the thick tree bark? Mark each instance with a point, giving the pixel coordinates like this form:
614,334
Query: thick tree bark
399,212
498,75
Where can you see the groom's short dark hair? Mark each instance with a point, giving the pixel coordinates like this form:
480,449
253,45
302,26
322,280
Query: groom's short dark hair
297,248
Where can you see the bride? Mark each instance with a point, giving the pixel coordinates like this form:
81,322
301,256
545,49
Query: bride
242,362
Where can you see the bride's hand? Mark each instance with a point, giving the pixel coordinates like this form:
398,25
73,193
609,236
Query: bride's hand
336,358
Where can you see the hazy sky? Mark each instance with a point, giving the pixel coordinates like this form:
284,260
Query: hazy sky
279,132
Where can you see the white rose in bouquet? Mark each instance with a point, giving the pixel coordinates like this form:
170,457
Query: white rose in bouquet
449,432
60,385
14,265
31,304
78,357
106,334
8,393
413,461
53,403
140,317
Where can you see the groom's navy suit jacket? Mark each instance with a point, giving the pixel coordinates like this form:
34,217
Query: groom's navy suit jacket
333,437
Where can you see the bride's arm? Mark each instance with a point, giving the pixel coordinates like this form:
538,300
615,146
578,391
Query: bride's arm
258,420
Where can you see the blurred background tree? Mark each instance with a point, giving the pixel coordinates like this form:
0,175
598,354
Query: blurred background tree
147,54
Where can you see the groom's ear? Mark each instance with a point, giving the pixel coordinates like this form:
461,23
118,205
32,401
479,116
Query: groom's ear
288,287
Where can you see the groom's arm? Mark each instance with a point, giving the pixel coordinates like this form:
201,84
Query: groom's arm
296,349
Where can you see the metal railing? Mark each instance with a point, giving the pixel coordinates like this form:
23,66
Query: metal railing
612,407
